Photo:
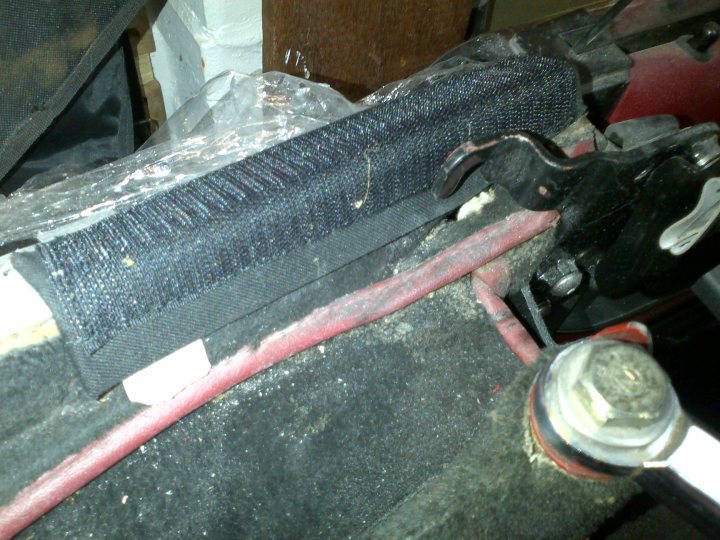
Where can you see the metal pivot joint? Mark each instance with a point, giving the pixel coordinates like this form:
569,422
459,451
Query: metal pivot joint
617,204
604,407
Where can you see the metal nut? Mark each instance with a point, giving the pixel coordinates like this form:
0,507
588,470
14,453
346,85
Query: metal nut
606,402
561,276
621,395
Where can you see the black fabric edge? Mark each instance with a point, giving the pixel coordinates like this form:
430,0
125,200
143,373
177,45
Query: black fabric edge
161,334
27,133
158,336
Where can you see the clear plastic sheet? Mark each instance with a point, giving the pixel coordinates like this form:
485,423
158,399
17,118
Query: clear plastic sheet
435,72
232,117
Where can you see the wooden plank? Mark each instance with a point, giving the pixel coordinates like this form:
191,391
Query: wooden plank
357,46
25,320
142,44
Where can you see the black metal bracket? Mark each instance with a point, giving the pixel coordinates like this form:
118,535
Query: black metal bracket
612,203
594,192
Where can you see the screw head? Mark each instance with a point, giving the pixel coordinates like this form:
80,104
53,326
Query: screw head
615,393
567,284
561,276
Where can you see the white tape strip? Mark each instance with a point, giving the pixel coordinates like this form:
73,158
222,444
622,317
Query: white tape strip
163,379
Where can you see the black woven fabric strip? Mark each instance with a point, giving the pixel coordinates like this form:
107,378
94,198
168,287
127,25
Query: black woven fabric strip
172,250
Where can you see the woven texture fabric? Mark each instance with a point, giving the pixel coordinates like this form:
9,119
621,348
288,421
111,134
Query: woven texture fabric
181,244
47,52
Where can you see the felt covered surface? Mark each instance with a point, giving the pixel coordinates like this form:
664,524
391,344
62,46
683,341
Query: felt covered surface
501,485
45,413
46,417
43,401
397,429
321,444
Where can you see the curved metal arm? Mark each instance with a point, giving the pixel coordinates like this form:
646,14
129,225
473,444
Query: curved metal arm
539,178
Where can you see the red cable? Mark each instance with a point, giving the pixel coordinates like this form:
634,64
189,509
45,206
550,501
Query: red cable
344,314
491,283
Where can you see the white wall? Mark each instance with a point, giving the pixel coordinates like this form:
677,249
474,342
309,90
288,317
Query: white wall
196,40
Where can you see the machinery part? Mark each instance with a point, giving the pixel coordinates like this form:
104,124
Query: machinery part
632,133
627,332
540,178
709,35
560,276
531,313
654,185
645,256
604,407
609,402
698,45
707,289
672,78
681,236
600,26
687,479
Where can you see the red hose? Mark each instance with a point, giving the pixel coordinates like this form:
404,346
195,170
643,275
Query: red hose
491,283
344,314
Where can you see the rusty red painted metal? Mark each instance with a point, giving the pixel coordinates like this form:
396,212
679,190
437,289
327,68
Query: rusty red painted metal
667,80
571,467
642,15
630,332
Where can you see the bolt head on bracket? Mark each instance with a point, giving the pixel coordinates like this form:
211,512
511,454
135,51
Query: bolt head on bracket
560,277
621,395
607,401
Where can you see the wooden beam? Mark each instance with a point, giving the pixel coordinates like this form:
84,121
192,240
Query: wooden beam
358,46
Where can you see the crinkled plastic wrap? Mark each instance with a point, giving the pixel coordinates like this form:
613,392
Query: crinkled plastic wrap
428,75
232,117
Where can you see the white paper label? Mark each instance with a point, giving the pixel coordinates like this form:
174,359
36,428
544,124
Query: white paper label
163,379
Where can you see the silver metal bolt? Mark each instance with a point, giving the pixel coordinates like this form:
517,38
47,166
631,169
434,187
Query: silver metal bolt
567,284
611,394
561,277
623,394
606,407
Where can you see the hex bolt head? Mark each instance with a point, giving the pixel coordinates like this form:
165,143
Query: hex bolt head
616,393
561,277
